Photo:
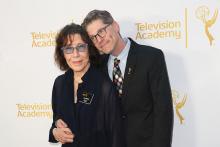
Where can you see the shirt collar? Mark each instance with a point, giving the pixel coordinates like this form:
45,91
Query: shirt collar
124,52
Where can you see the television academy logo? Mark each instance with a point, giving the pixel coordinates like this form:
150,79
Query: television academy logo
202,13
179,101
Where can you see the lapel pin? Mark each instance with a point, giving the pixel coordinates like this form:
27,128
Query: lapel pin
129,70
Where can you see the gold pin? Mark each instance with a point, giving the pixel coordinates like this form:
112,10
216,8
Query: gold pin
129,70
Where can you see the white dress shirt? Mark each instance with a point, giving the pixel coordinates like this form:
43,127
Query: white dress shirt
122,57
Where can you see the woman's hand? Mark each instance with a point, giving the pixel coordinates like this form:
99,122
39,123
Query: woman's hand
62,133
60,124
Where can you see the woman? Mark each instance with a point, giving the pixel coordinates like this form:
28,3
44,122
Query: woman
83,99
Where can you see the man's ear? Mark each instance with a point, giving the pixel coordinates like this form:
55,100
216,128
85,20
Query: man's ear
116,27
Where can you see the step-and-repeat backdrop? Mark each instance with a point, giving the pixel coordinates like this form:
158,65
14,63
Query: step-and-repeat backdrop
188,31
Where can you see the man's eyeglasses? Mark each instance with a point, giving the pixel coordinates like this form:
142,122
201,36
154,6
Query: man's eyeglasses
101,33
79,48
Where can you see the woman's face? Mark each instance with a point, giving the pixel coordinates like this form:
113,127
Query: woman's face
76,53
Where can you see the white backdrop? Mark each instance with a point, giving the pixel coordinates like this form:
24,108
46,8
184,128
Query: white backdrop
187,31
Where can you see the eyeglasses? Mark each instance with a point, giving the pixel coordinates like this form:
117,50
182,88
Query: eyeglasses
101,33
79,48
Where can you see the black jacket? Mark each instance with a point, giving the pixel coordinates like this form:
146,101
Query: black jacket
95,118
147,109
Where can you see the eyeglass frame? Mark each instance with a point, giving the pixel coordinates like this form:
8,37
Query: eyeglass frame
85,46
94,37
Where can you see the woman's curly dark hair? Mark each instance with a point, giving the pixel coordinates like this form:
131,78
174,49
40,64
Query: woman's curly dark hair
61,40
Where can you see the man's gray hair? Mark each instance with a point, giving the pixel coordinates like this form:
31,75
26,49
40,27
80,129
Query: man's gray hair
93,15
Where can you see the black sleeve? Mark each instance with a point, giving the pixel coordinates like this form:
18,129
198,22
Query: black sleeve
162,99
112,115
54,109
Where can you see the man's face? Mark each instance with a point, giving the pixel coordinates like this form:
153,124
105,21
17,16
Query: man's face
104,36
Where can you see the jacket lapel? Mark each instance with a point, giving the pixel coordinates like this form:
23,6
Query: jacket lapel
70,109
104,64
68,106
129,70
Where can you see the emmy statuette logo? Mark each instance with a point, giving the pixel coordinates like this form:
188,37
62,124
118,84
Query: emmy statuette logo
179,104
202,14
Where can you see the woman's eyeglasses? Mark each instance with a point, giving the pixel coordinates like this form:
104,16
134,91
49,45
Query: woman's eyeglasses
79,48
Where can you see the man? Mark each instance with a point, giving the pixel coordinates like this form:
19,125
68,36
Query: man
140,75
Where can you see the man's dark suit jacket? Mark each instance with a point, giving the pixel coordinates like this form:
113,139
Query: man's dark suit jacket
147,109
